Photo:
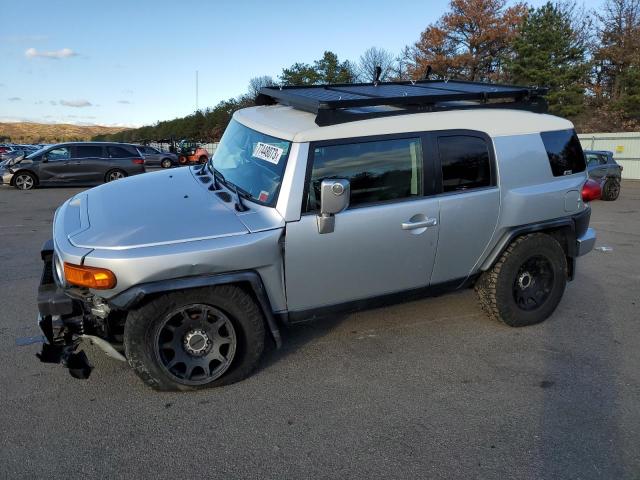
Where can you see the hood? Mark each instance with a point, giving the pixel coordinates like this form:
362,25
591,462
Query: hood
153,209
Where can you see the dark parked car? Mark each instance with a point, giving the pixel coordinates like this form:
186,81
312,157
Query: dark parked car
157,158
605,170
80,163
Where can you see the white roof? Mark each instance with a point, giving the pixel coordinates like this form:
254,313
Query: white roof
290,124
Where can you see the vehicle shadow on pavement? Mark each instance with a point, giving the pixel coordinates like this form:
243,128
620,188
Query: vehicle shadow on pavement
295,337
580,421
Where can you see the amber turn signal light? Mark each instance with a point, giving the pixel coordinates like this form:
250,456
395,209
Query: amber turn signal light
90,277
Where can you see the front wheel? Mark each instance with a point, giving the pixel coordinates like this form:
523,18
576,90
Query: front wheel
24,181
526,284
611,189
195,339
166,163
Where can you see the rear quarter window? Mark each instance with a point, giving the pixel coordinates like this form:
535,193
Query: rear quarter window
564,152
119,152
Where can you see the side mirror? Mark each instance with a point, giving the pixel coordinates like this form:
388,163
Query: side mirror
44,158
334,198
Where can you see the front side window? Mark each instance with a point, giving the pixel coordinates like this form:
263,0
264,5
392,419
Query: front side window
150,151
88,151
465,162
58,154
251,161
564,152
378,171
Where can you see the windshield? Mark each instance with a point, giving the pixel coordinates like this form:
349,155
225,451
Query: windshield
252,161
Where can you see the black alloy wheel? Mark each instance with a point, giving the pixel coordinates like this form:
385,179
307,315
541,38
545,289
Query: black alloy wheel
196,344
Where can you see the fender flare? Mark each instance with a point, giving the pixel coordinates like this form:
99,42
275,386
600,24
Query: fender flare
133,296
564,223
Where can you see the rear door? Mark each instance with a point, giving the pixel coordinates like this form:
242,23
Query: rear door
469,201
87,164
380,244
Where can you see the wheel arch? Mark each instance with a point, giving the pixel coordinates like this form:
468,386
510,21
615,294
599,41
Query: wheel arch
562,230
12,182
249,281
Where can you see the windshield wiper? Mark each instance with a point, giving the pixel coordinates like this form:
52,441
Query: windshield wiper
240,206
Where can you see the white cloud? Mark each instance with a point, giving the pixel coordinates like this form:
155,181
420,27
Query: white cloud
53,102
15,99
55,54
127,91
126,102
76,103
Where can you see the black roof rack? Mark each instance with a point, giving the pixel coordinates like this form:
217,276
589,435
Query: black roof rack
340,103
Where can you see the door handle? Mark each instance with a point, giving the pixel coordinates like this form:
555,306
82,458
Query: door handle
429,222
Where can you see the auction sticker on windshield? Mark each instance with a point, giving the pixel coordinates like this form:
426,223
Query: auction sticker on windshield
267,152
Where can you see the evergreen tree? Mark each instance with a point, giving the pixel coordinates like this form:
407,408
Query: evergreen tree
549,52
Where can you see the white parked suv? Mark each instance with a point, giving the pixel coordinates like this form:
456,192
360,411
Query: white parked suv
319,200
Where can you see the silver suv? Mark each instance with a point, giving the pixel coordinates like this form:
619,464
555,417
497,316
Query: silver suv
319,200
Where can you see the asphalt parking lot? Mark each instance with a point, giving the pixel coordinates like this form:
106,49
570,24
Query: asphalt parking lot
428,389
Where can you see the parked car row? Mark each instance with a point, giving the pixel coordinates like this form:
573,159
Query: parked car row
80,163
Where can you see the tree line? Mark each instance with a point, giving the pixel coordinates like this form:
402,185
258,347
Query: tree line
589,60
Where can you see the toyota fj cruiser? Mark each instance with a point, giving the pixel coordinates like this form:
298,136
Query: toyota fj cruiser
321,199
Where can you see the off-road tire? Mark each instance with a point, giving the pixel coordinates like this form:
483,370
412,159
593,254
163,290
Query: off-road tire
495,288
166,163
611,189
239,306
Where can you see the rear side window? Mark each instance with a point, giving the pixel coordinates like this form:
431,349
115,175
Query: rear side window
377,171
564,152
465,162
119,152
88,151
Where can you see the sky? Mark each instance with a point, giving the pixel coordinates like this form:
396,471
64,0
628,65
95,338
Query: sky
134,62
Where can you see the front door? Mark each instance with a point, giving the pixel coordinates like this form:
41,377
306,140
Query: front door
54,167
385,242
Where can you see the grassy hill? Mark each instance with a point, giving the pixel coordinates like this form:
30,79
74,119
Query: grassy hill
27,132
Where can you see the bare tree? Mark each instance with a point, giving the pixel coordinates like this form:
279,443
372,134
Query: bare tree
256,83
375,57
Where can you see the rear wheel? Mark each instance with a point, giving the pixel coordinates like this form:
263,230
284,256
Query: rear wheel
202,159
24,181
195,339
611,189
526,284
114,175
165,163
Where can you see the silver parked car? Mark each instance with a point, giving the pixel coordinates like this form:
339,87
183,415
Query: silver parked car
157,158
321,200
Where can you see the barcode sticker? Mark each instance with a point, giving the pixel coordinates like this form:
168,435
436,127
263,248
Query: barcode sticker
267,152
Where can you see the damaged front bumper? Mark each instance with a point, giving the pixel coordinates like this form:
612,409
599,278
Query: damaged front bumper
64,321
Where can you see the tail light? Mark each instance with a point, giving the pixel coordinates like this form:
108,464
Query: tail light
591,191
138,161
